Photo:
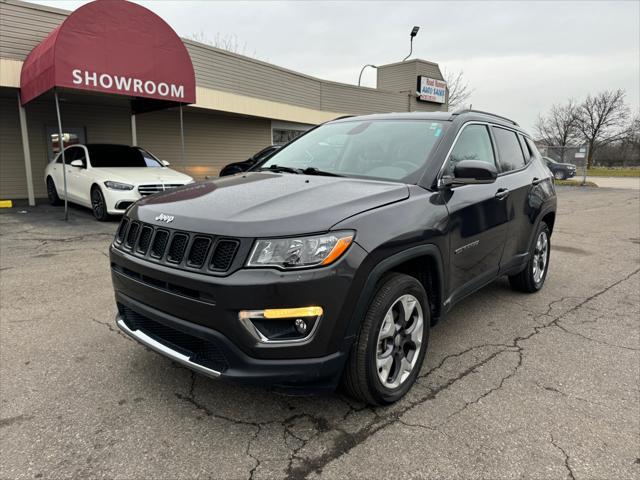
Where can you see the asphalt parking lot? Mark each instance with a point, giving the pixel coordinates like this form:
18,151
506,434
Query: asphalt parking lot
514,386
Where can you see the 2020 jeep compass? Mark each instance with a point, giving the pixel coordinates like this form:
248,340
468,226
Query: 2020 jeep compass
329,263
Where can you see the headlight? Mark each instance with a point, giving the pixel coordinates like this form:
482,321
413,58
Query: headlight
117,185
300,252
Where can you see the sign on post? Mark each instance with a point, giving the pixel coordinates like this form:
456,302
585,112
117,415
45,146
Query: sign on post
432,90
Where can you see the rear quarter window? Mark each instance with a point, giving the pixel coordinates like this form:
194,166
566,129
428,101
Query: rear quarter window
510,154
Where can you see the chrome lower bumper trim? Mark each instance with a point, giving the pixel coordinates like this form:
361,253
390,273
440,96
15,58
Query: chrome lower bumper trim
164,350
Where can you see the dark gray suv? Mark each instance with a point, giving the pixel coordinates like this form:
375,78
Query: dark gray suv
330,262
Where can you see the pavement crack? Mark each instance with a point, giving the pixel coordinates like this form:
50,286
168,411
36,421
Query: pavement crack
566,459
109,326
586,337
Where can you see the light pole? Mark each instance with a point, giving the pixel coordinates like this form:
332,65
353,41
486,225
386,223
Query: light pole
414,32
360,76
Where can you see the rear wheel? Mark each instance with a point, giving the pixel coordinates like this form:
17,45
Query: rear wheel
532,278
52,192
559,175
98,205
388,353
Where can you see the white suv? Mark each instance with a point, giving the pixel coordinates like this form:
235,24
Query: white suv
109,178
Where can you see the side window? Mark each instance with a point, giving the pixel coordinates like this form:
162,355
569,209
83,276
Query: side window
509,150
69,155
80,154
474,143
525,149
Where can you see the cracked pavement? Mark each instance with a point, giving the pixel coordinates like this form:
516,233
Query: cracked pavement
528,386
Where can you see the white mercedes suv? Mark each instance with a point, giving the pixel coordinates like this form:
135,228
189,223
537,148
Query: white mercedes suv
109,178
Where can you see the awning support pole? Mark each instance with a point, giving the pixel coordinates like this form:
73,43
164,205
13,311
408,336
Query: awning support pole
134,130
64,163
182,137
26,152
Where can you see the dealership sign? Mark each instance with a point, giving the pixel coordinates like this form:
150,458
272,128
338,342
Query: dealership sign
432,90
126,85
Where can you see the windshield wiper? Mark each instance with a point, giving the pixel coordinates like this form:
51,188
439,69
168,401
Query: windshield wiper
317,171
280,168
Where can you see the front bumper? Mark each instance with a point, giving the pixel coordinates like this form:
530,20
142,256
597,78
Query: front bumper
210,353
212,316
118,201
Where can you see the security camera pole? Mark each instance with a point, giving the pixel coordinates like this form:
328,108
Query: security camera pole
414,32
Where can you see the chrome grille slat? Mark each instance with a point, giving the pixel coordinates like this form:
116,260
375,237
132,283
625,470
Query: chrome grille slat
150,189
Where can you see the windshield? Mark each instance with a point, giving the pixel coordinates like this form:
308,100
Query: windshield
382,149
103,156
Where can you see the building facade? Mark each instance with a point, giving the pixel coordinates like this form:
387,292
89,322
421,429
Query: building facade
241,105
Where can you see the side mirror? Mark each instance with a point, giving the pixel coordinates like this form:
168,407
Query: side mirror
165,163
471,172
77,163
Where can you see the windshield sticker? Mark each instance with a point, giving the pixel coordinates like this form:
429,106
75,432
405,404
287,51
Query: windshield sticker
438,132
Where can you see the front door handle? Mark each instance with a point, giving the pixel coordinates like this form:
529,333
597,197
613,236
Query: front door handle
502,193
535,181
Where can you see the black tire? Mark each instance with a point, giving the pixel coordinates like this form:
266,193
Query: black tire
559,175
52,192
98,205
360,378
528,280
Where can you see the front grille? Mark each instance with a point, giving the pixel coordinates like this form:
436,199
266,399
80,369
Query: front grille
145,239
177,248
159,243
150,189
131,235
203,352
223,254
198,252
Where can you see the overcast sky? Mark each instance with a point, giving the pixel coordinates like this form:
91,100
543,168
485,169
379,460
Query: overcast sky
519,57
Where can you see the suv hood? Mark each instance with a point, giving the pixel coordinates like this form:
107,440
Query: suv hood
143,175
267,204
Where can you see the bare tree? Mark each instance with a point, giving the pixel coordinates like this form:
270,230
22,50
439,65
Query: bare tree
559,127
457,87
228,42
602,119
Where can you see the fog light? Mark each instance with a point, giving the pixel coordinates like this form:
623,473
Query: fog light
281,324
301,326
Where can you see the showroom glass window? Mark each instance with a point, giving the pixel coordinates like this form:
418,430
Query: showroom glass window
474,143
509,150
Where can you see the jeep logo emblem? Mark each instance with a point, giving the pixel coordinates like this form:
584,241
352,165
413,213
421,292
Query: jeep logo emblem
165,218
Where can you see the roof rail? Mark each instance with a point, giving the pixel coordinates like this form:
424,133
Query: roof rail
469,110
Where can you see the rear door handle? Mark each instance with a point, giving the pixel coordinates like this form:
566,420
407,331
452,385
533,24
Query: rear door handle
502,193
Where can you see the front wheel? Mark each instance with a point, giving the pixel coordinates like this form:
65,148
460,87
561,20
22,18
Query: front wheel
390,347
52,192
532,278
98,205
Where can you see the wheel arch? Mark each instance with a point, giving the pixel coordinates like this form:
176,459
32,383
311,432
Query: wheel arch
424,262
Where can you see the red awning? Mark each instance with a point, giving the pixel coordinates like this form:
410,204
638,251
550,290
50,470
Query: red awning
111,46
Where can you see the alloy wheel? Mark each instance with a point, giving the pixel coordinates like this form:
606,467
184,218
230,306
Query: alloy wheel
97,203
399,341
51,190
540,257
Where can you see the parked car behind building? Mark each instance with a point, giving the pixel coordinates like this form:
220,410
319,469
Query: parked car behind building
245,165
